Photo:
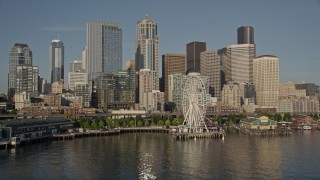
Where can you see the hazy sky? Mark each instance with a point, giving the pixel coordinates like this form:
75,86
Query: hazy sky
288,29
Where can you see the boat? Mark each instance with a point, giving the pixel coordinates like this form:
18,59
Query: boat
306,127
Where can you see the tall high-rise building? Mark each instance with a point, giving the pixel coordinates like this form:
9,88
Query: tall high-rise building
147,45
266,80
245,35
193,55
20,54
57,61
104,48
171,64
210,65
237,62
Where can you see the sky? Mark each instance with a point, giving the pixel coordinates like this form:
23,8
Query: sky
289,29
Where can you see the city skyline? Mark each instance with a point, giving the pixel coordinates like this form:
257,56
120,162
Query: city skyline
289,32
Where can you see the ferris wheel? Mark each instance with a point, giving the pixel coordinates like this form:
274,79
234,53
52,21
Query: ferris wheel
194,103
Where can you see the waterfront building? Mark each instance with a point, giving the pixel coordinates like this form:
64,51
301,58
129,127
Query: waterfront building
82,90
147,45
231,94
237,62
57,61
210,65
104,48
171,64
27,79
289,89
266,80
19,131
193,55
148,81
20,54
245,35
262,123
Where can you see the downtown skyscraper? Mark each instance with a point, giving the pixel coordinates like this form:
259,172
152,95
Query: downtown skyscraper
57,61
193,55
147,45
104,48
20,54
237,59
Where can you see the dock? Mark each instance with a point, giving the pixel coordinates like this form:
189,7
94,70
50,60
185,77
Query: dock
202,135
265,133
90,133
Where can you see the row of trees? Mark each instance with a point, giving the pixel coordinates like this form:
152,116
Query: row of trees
98,123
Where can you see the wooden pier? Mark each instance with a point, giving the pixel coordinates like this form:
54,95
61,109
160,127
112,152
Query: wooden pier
187,136
4,144
144,130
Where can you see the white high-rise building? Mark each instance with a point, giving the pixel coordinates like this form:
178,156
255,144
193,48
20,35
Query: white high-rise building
57,61
104,48
147,45
266,80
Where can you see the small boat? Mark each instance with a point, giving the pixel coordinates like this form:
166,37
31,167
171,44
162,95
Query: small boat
306,127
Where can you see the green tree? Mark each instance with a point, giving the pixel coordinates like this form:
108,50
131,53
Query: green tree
77,124
160,123
86,124
109,123
153,124
124,123
277,117
13,111
101,123
116,123
168,123
219,120
131,123
146,123
174,122
94,125
140,123
181,120
287,117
